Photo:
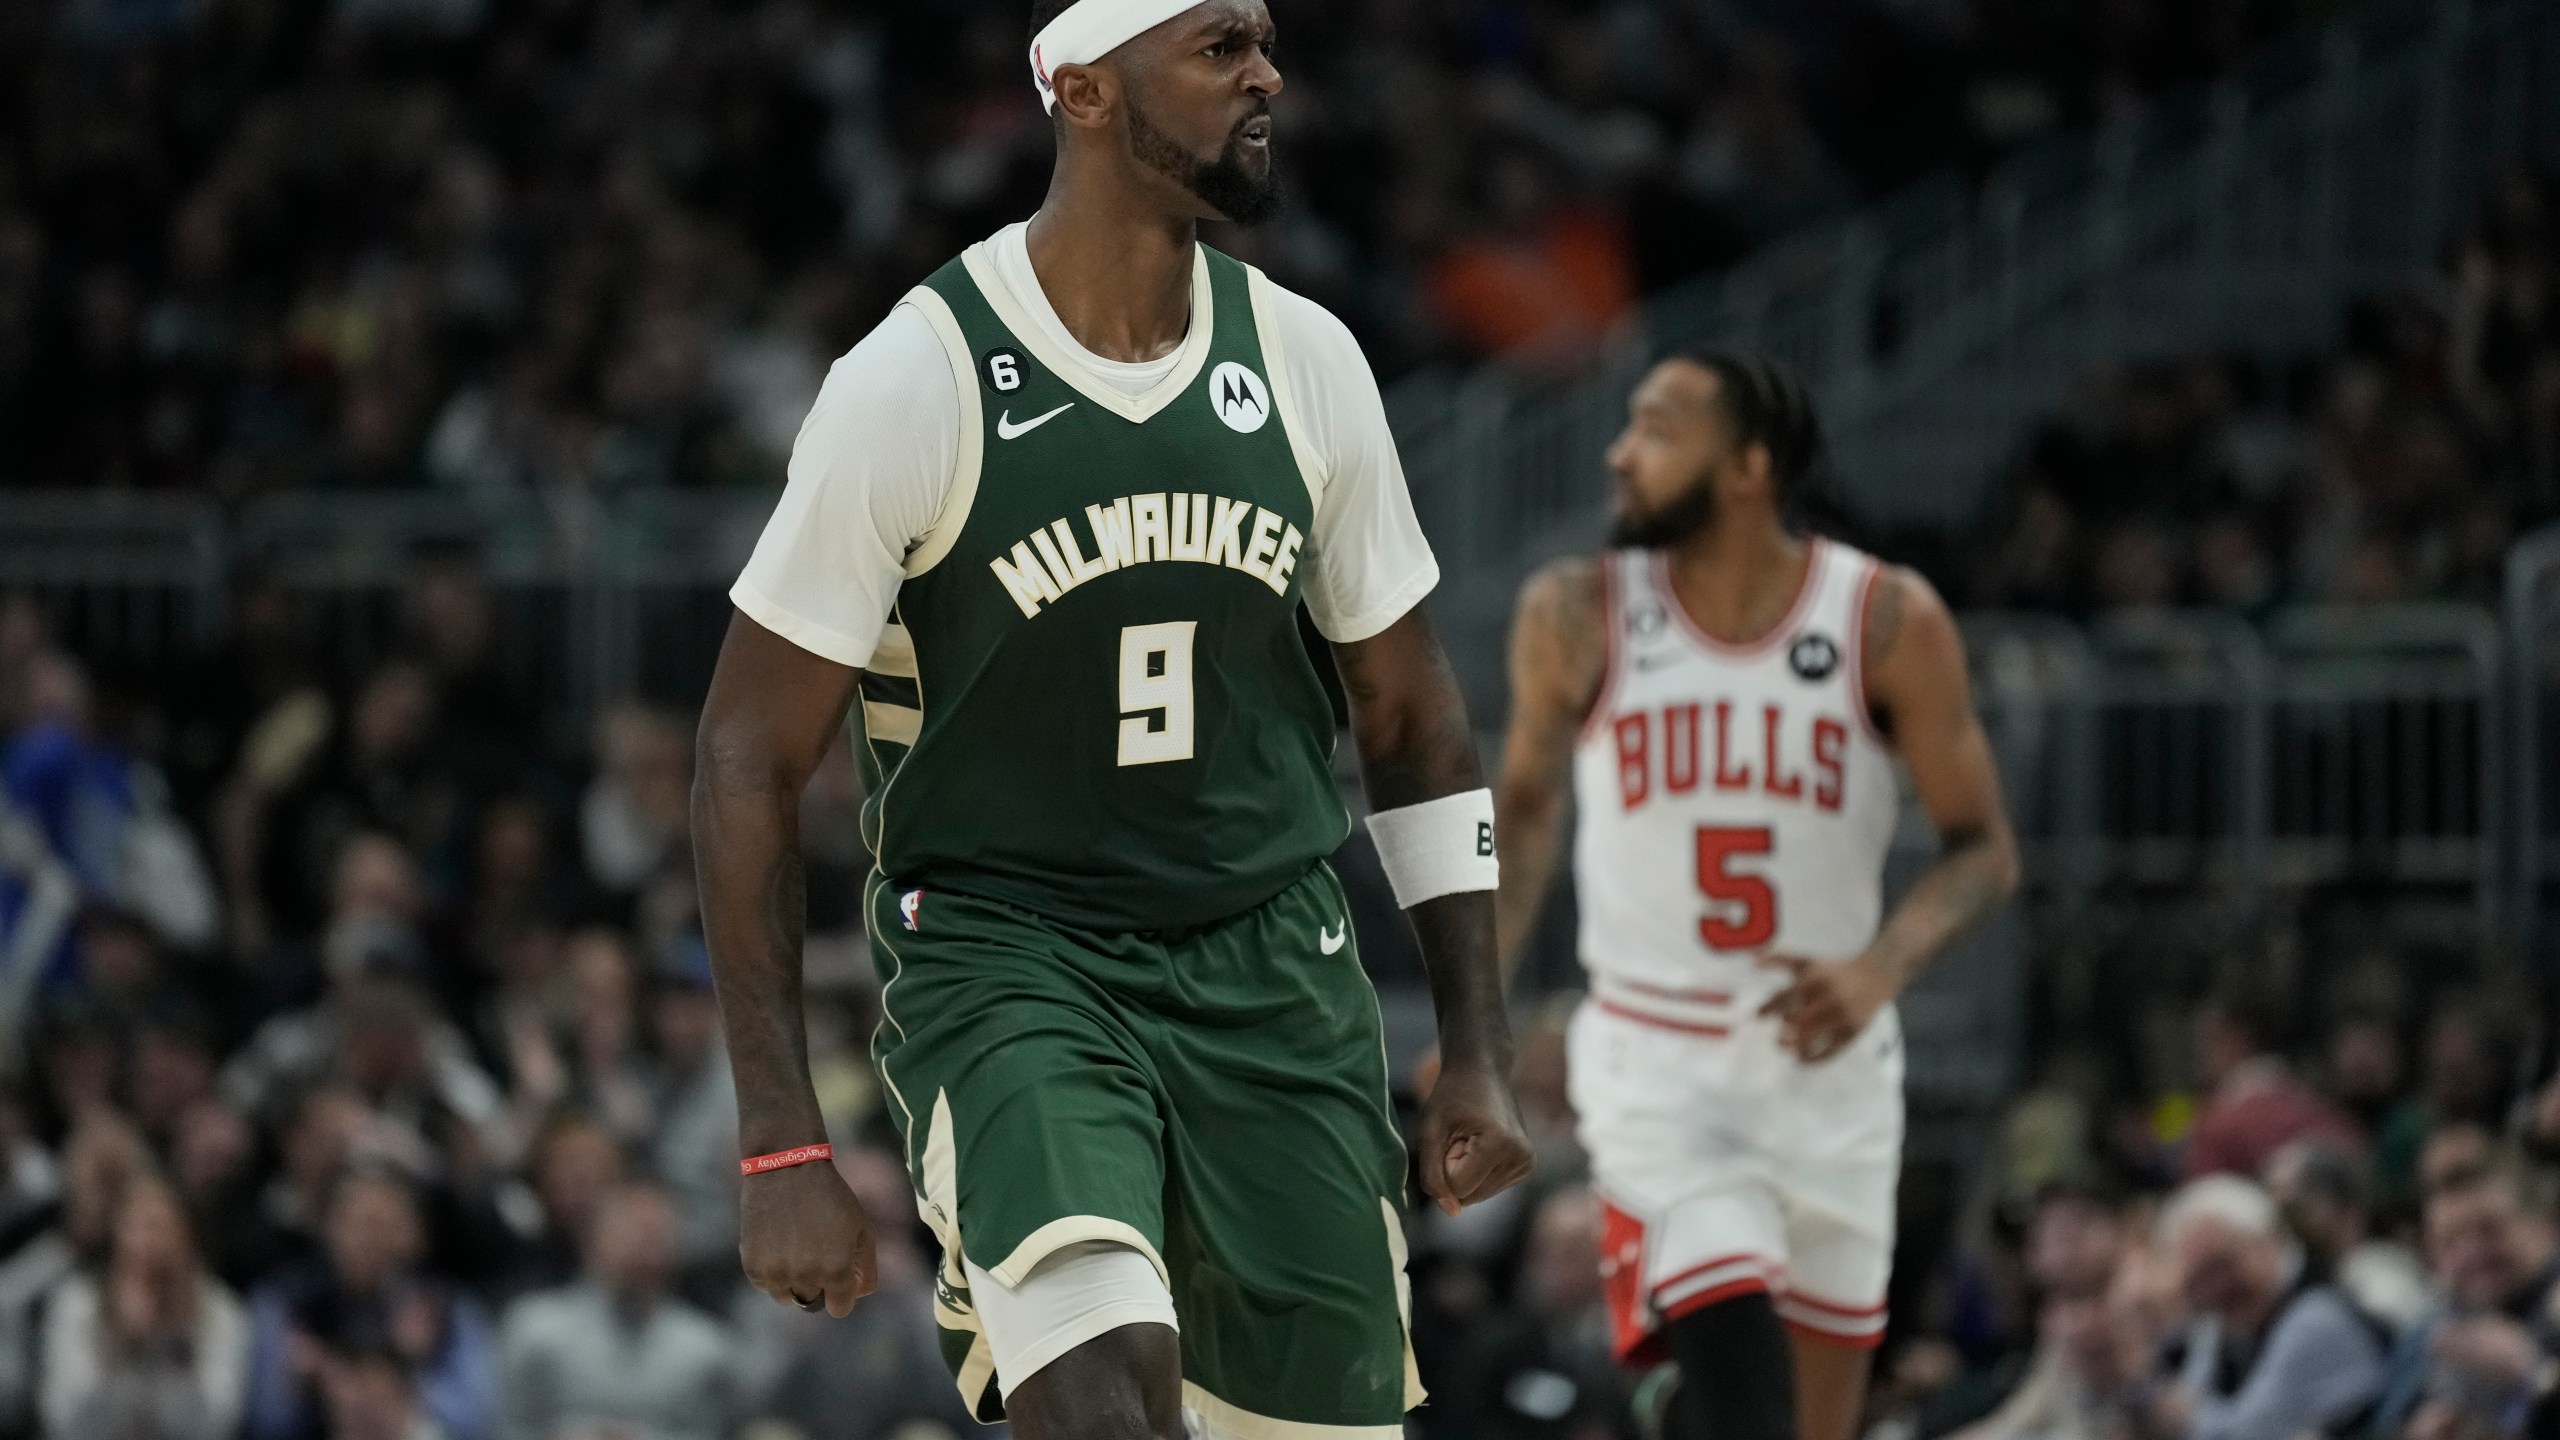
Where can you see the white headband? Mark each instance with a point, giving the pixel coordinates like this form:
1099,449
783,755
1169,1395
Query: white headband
1091,29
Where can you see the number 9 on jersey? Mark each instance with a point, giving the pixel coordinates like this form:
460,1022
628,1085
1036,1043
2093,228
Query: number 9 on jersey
1155,678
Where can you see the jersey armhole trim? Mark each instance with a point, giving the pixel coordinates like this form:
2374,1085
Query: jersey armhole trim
1858,653
1610,602
962,494
1284,394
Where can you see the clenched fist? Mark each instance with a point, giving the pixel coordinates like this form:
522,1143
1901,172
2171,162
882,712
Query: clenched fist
804,1239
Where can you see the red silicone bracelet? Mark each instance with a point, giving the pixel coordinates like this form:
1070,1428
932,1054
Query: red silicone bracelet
785,1159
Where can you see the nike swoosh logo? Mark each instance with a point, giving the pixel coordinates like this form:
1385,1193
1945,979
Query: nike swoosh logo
1330,943
1007,430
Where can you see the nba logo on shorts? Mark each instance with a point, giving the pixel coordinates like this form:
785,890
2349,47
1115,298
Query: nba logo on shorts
911,907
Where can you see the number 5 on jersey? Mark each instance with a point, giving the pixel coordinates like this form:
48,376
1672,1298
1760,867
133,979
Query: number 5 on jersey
1721,927
1155,679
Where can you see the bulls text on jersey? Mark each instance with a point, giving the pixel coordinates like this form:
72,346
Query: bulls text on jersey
1673,749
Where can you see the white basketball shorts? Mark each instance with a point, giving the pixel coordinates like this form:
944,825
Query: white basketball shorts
1727,1167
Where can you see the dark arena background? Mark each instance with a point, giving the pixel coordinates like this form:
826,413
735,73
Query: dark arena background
390,389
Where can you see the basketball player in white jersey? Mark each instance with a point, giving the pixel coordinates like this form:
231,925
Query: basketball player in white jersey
1727,699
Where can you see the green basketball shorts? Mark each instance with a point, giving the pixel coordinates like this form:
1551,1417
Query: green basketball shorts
1215,1100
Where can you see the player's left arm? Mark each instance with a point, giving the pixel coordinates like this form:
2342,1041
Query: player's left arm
1919,690
1410,724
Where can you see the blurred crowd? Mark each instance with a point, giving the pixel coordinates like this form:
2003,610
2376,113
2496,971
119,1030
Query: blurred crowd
368,1082
2397,466
598,244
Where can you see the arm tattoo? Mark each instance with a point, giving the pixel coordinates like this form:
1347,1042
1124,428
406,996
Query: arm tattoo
1409,752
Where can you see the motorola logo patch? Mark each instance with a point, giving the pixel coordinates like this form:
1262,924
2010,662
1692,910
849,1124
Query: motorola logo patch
1238,396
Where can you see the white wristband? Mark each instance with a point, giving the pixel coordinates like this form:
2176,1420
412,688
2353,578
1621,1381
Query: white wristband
1439,847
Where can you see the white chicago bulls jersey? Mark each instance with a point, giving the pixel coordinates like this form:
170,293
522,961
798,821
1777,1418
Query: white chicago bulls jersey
1734,801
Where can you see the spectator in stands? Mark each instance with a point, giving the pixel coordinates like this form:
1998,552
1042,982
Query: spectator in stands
615,1350
170,1070
371,1396
366,1291
518,887
2453,1152
102,1158
2254,1104
372,1028
694,1152
214,1162
2494,1252
573,1167
1546,1370
100,817
636,813
485,727
2098,1328
2272,1352
2461,1072
608,1076
2365,1079
152,1346
312,779
2321,1191
1545,278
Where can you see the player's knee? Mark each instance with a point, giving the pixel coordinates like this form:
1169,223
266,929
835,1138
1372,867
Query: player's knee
1737,1374
1086,1347
1124,1384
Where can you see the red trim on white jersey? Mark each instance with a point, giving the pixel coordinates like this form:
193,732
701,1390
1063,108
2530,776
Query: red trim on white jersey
1857,1329
1665,1022
1701,997
1857,656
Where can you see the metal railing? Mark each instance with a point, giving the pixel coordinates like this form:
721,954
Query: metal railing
2532,808
2190,749
599,600
2154,749
1937,327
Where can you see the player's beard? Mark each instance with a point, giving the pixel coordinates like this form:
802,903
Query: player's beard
1223,184
1668,526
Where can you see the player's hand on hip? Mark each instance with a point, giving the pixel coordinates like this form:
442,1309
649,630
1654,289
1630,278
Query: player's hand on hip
1825,1006
1473,1144
804,1239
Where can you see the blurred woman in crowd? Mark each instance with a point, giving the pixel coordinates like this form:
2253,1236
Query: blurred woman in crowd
152,1348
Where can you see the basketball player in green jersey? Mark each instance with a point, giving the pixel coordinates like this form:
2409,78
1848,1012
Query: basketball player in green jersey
1045,538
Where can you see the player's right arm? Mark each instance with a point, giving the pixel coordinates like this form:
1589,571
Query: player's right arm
773,709
1559,656
868,477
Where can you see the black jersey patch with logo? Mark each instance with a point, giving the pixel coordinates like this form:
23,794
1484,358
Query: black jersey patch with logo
1002,367
1813,657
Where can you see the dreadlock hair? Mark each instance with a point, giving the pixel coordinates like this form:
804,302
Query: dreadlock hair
1767,403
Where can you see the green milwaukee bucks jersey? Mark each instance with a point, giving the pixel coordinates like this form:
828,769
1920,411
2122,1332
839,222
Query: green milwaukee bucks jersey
1092,701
